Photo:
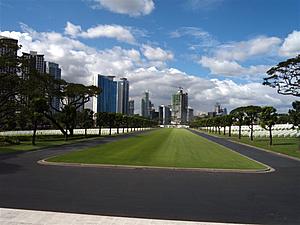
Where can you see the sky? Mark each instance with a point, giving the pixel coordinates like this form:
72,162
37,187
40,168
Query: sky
217,50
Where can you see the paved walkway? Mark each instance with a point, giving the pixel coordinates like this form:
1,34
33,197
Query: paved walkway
271,198
30,217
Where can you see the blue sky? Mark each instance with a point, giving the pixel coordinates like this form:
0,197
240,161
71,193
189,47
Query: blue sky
225,45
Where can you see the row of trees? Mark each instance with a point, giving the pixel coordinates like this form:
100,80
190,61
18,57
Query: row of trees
266,117
27,100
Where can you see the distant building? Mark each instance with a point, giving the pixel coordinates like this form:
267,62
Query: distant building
219,111
8,48
190,114
123,96
131,107
106,100
179,107
53,69
145,105
164,114
36,62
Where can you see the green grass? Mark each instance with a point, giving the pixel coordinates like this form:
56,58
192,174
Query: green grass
163,148
42,142
285,145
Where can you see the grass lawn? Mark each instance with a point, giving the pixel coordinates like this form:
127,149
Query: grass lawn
285,145
164,148
41,142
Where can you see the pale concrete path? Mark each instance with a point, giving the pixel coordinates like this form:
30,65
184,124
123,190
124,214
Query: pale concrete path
32,217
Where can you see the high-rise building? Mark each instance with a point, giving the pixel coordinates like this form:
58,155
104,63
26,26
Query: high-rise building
190,114
145,105
164,115
106,100
179,107
131,107
219,111
36,62
53,69
123,96
8,48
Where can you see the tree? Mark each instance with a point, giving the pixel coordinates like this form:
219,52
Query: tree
101,120
285,77
268,118
118,120
111,119
86,120
228,120
238,115
294,114
251,116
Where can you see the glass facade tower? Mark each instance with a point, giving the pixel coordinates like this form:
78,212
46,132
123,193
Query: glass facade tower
106,101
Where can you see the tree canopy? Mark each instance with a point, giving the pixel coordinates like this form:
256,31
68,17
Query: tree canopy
285,77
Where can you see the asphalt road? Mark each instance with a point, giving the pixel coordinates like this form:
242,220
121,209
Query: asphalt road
269,198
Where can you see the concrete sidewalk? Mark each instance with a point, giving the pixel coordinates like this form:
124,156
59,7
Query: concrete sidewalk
31,217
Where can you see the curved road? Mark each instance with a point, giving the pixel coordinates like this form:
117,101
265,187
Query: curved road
269,198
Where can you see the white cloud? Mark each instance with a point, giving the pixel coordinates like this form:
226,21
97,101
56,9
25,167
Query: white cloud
80,63
156,53
291,45
129,7
245,49
203,4
108,31
230,68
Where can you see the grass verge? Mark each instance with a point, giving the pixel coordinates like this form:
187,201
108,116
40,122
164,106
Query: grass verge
284,145
162,148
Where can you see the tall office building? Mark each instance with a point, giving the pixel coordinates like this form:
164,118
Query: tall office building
53,69
123,96
131,107
190,114
8,49
164,113
36,62
106,100
145,105
179,107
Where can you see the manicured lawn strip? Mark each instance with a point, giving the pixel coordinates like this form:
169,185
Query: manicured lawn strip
163,148
285,145
42,142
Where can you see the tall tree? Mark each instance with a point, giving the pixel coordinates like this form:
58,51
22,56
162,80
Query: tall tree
238,115
111,119
101,120
294,114
251,117
285,77
268,118
86,120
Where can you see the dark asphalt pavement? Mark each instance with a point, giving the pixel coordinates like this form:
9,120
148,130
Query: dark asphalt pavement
270,198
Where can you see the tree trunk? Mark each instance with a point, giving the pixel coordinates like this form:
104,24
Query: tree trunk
123,130
117,129
66,134
240,131
99,130
229,132
85,132
34,132
270,132
55,123
110,131
224,133
251,132
219,130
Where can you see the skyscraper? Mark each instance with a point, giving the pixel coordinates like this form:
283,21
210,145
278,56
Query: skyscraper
8,48
164,115
190,114
131,107
36,62
53,69
179,107
145,105
123,96
106,100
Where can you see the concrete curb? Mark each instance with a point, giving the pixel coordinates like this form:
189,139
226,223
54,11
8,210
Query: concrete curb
128,167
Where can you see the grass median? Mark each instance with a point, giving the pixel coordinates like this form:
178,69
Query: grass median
162,148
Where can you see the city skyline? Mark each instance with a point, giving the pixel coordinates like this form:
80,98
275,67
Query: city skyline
220,57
